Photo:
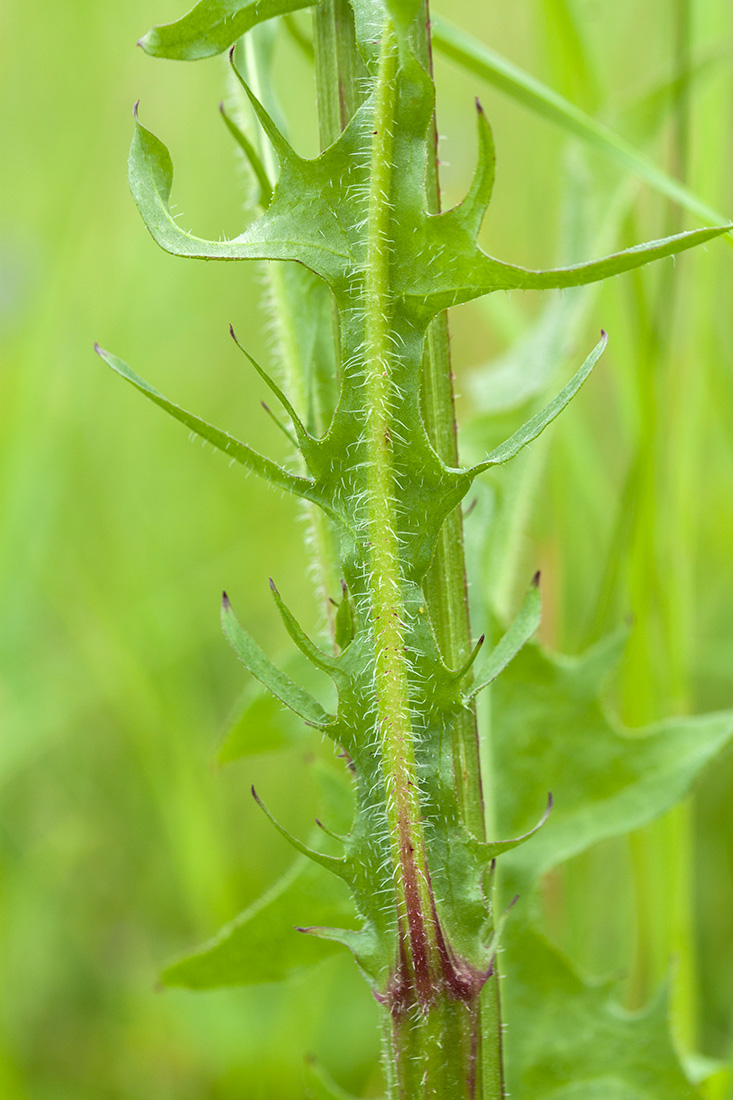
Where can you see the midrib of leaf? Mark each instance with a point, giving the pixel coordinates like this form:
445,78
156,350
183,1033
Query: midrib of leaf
385,576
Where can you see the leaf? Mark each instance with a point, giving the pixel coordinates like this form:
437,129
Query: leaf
566,1040
276,681
403,11
473,55
232,447
616,264
319,1085
516,636
537,424
308,648
262,944
550,732
264,195
331,863
212,26
263,725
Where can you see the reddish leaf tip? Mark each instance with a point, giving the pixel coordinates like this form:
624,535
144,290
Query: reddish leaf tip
231,54
272,585
536,578
479,108
225,601
135,109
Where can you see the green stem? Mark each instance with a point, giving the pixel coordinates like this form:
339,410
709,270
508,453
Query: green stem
438,1044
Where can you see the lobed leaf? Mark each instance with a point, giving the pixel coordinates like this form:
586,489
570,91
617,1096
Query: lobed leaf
212,26
537,424
262,945
478,58
239,452
568,1040
264,193
275,680
551,732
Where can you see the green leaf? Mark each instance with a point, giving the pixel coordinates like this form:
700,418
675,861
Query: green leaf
616,264
330,863
566,1040
516,636
212,26
262,944
262,725
403,11
537,424
473,55
264,195
308,648
319,1085
550,732
232,447
291,694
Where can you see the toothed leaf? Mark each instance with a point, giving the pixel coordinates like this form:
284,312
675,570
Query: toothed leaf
551,732
262,945
567,1040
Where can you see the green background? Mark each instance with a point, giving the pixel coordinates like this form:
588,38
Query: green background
122,842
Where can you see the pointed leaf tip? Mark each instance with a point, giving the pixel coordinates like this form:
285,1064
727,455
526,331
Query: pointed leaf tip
135,109
225,601
536,578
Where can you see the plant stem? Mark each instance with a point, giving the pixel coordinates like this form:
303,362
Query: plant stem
416,1043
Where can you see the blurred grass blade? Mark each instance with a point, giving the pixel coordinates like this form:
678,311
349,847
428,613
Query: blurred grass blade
473,55
212,26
